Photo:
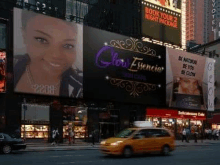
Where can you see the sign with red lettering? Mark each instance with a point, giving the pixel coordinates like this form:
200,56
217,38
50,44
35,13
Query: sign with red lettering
162,21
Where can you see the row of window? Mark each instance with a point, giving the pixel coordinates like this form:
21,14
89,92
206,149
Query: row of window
148,133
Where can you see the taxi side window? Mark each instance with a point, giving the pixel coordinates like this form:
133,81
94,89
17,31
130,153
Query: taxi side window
1,137
146,133
165,133
159,133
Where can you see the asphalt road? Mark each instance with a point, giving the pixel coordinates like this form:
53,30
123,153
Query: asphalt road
203,155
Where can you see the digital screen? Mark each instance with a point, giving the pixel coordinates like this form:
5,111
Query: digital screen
122,68
48,58
161,20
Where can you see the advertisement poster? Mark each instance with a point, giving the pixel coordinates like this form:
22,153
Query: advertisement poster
122,68
2,71
48,57
187,80
161,20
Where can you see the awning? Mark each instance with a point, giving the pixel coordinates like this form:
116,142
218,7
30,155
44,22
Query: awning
172,113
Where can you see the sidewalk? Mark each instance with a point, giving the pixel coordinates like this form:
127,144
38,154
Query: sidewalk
37,147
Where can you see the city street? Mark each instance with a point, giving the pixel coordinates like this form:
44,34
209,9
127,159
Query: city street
190,155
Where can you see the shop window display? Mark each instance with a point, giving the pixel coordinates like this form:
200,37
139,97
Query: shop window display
168,123
154,120
181,123
34,131
215,126
75,119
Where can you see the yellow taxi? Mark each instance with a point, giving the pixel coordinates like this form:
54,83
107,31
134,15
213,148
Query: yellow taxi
139,140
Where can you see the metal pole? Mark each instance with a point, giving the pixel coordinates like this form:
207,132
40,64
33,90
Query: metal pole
24,109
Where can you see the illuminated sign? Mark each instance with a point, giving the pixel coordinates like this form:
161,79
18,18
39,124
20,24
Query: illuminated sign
161,17
215,25
162,21
123,68
191,113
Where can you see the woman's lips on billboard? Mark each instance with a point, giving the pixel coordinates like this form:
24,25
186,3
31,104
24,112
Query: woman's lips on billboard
54,64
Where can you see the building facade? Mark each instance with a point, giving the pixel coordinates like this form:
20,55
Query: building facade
202,21
35,116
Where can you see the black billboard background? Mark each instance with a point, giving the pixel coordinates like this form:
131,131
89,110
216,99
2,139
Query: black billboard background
97,81
160,31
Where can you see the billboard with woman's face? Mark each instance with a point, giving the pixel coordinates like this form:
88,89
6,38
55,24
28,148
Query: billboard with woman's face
48,57
188,78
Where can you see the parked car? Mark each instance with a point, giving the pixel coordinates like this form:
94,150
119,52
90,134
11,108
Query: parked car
8,143
139,140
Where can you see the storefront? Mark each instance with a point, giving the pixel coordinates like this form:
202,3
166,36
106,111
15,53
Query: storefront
175,120
35,122
75,120
214,122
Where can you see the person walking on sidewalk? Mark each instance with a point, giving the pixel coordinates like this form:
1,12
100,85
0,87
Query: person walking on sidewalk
93,138
184,135
195,133
70,136
53,137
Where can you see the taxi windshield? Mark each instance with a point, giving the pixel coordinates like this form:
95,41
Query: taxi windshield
125,133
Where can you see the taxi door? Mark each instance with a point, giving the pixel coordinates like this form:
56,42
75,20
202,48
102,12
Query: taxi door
139,142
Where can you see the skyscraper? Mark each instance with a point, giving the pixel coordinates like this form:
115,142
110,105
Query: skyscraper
202,20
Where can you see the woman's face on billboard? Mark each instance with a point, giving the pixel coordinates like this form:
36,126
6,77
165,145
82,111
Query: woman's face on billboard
50,43
189,86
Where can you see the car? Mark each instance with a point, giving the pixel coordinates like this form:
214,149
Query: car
8,143
138,141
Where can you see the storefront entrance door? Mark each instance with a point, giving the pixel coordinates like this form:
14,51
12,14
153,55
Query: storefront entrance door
107,129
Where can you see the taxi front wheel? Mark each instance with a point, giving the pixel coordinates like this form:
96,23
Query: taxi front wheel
165,150
127,153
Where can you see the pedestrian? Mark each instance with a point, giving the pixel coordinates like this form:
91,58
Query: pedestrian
217,134
202,135
53,137
56,136
187,134
93,138
210,134
195,133
206,133
184,135
70,136
213,134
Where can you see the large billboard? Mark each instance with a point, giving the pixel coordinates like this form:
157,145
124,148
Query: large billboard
161,20
2,71
48,56
121,68
190,80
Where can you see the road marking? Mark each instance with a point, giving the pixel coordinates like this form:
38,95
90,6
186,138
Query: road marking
79,155
67,155
55,156
72,162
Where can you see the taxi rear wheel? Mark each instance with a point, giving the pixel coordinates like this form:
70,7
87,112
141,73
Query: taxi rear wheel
165,150
127,153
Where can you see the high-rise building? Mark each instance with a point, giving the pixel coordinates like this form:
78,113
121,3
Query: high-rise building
202,20
195,21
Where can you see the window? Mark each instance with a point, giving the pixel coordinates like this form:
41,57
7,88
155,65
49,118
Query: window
158,133
1,137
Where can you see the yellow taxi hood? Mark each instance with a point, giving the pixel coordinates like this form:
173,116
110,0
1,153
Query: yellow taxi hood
113,139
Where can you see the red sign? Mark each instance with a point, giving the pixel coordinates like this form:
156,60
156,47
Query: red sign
161,17
166,113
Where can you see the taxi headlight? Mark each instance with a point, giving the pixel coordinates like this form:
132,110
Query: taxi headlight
103,142
116,143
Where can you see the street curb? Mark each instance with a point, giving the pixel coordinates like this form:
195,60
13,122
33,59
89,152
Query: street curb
97,148
65,149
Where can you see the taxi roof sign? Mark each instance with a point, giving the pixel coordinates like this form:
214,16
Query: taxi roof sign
143,124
